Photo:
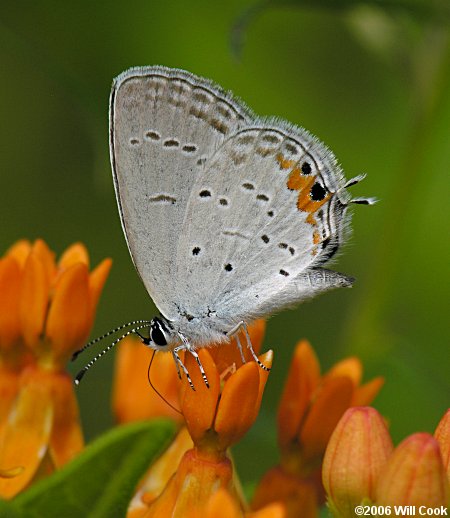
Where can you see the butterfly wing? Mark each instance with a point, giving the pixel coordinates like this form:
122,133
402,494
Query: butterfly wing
265,213
164,125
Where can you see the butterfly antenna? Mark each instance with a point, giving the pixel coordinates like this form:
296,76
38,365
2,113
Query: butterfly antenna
155,389
109,333
83,371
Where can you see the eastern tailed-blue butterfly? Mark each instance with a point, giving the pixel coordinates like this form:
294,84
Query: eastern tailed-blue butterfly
228,216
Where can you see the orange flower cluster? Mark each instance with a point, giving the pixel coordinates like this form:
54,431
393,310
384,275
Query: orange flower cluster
195,476
361,466
46,313
310,408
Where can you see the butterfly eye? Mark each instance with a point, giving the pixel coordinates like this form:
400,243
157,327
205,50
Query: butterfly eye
157,335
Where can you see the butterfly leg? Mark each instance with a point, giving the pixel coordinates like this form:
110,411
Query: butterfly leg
234,331
179,364
176,364
239,346
187,347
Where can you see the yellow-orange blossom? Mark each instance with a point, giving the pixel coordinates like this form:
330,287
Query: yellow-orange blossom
46,313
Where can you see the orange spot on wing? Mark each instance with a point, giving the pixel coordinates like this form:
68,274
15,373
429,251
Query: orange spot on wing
284,162
311,220
299,182
316,237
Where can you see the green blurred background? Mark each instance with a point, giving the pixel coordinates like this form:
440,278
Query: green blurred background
373,84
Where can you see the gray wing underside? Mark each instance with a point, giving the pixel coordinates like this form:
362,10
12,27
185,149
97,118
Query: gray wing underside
164,126
246,249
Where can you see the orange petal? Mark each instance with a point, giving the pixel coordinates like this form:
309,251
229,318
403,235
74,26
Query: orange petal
276,510
267,360
9,387
365,394
331,402
227,354
76,253
69,318
290,494
356,453
97,280
199,405
442,435
414,475
34,300
133,398
66,440
222,505
241,392
26,434
41,250
20,251
10,283
189,490
303,377
350,367
162,470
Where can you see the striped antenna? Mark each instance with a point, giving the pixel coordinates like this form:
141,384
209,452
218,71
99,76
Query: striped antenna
100,338
83,371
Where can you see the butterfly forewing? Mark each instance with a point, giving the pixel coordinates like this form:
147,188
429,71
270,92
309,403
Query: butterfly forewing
165,124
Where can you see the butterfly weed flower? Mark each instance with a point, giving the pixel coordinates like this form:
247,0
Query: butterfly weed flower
214,424
310,408
47,312
361,467
356,453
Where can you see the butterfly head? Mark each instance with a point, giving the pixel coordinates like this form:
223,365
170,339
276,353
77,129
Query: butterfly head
161,335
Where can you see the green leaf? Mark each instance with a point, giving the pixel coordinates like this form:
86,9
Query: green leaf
101,481
7,510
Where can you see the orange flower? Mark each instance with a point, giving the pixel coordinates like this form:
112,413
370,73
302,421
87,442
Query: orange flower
310,408
133,398
442,435
47,310
361,467
414,475
214,424
356,453
222,505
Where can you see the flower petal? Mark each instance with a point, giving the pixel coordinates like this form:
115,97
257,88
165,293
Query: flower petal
76,253
442,435
414,474
133,398
97,280
69,318
226,355
66,440
356,453
34,300
331,402
365,394
10,283
350,367
222,505
298,497
26,434
162,470
276,510
20,251
241,392
199,405
9,387
190,488
303,377
41,250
